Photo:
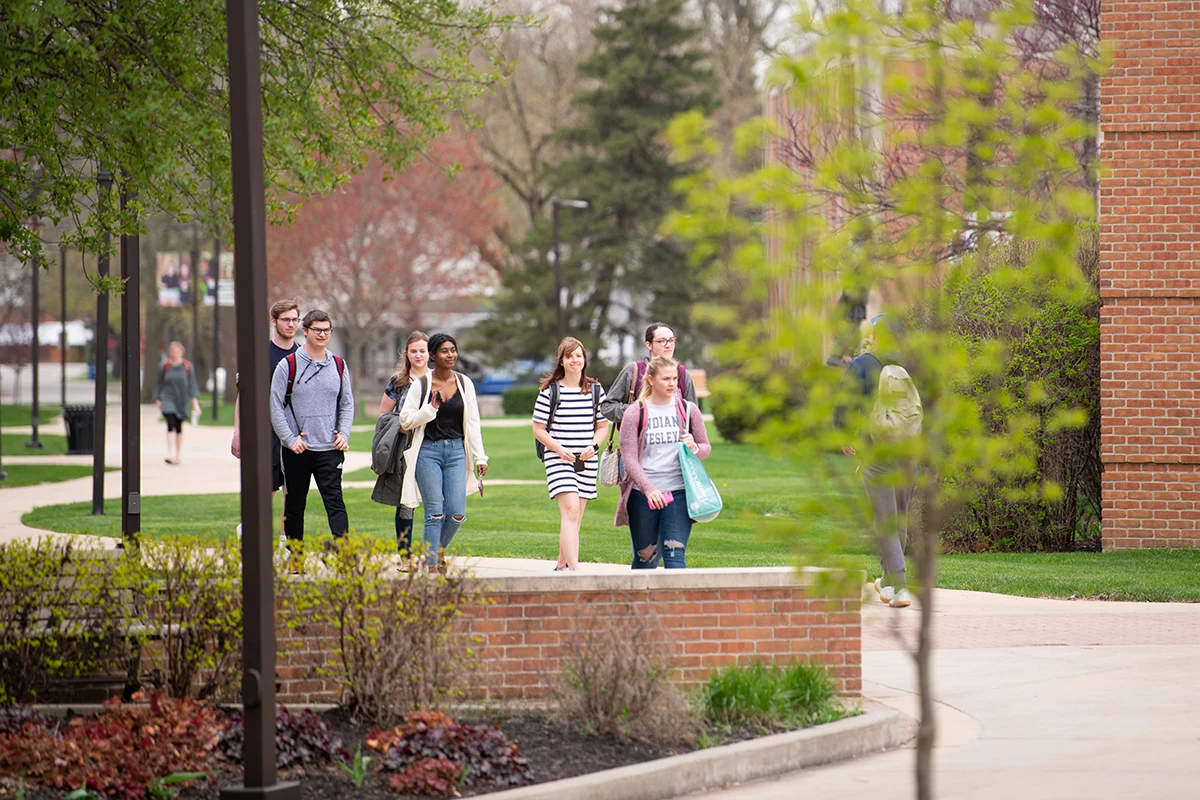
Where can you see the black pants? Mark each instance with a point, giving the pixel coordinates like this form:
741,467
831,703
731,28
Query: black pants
326,467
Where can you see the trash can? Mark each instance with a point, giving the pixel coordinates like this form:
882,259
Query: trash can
81,421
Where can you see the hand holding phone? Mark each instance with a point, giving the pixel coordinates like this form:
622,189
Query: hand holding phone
668,498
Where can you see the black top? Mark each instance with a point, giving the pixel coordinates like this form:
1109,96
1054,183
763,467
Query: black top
275,354
448,424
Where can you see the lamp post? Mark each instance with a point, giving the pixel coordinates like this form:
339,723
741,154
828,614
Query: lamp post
62,334
101,342
559,306
195,280
258,530
131,385
34,443
216,342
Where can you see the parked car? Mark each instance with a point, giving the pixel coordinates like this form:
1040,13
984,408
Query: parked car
506,376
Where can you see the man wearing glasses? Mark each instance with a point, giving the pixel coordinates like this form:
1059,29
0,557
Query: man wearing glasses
312,409
285,321
660,341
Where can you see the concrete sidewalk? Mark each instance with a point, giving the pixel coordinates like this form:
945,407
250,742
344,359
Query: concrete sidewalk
1041,699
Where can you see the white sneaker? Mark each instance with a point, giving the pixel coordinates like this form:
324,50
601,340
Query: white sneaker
239,531
886,593
902,599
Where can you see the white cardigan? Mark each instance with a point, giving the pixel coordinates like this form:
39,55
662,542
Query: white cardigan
417,412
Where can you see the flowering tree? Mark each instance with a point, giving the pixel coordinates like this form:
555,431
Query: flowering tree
388,250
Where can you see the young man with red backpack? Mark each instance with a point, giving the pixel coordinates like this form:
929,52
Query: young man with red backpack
660,341
312,409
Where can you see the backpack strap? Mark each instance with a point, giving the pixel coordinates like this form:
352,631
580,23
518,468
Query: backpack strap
641,417
290,360
595,403
337,411
554,400
682,378
639,377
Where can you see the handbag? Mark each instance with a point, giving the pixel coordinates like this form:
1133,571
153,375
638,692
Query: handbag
703,499
610,462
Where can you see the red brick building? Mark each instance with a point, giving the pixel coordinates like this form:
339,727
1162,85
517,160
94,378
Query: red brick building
1150,274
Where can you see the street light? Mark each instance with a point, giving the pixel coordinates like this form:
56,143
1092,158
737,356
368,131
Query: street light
559,310
104,178
34,443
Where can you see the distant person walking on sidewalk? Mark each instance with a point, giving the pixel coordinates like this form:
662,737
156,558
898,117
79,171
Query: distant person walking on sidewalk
887,400
413,365
312,410
569,429
285,322
175,393
627,388
446,449
653,500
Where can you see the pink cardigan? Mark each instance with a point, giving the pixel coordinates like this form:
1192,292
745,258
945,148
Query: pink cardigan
631,452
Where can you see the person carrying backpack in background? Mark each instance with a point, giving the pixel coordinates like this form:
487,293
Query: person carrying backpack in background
569,432
893,412
627,388
175,385
312,410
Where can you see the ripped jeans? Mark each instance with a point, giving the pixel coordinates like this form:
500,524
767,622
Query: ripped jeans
442,479
659,534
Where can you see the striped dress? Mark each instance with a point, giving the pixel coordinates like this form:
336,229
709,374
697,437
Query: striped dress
573,426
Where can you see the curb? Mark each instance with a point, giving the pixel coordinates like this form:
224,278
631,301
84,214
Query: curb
732,763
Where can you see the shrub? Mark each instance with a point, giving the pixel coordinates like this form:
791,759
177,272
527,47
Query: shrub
193,608
615,680
519,400
769,697
1053,366
399,645
64,612
423,749
742,403
301,738
119,752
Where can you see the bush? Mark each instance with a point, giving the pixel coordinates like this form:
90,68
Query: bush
430,753
769,697
615,680
64,612
1054,365
193,608
400,647
519,400
119,752
301,738
741,404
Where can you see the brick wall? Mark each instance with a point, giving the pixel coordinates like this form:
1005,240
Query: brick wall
710,617
1150,274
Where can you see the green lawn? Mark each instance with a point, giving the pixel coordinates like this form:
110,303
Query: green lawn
31,474
23,414
13,444
776,513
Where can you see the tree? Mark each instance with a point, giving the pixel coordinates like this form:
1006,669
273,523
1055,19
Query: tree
618,270
388,252
142,90
991,153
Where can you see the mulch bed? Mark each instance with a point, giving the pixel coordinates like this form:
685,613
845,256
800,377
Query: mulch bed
554,751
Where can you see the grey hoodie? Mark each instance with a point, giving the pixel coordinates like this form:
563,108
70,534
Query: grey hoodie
314,410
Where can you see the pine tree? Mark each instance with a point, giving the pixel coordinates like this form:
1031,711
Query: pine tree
647,69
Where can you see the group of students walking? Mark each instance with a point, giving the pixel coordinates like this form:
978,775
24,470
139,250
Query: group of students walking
428,447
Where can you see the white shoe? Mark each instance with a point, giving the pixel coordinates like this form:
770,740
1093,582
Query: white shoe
239,531
886,593
902,599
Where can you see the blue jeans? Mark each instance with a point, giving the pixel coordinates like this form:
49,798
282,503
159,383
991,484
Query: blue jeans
663,533
442,479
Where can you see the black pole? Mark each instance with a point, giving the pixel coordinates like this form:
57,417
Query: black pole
131,387
62,340
250,291
33,443
3,474
101,342
216,342
195,289
560,321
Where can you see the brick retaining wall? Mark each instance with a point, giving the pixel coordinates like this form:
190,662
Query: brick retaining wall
711,617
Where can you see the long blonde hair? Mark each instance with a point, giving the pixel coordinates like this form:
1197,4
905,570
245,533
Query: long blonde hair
656,366
565,348
400,377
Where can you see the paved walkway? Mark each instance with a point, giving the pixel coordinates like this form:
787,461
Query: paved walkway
1038,699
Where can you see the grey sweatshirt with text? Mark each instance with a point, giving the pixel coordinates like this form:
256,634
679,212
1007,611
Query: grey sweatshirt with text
314,410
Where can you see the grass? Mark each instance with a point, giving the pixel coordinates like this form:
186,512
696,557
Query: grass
32,474
770,697
23,414
776,513
13,444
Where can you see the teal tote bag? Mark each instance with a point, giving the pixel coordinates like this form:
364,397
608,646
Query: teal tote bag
703,499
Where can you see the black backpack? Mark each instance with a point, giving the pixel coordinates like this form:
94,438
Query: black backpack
540,448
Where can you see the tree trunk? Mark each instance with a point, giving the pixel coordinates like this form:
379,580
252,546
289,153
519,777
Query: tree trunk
926,572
